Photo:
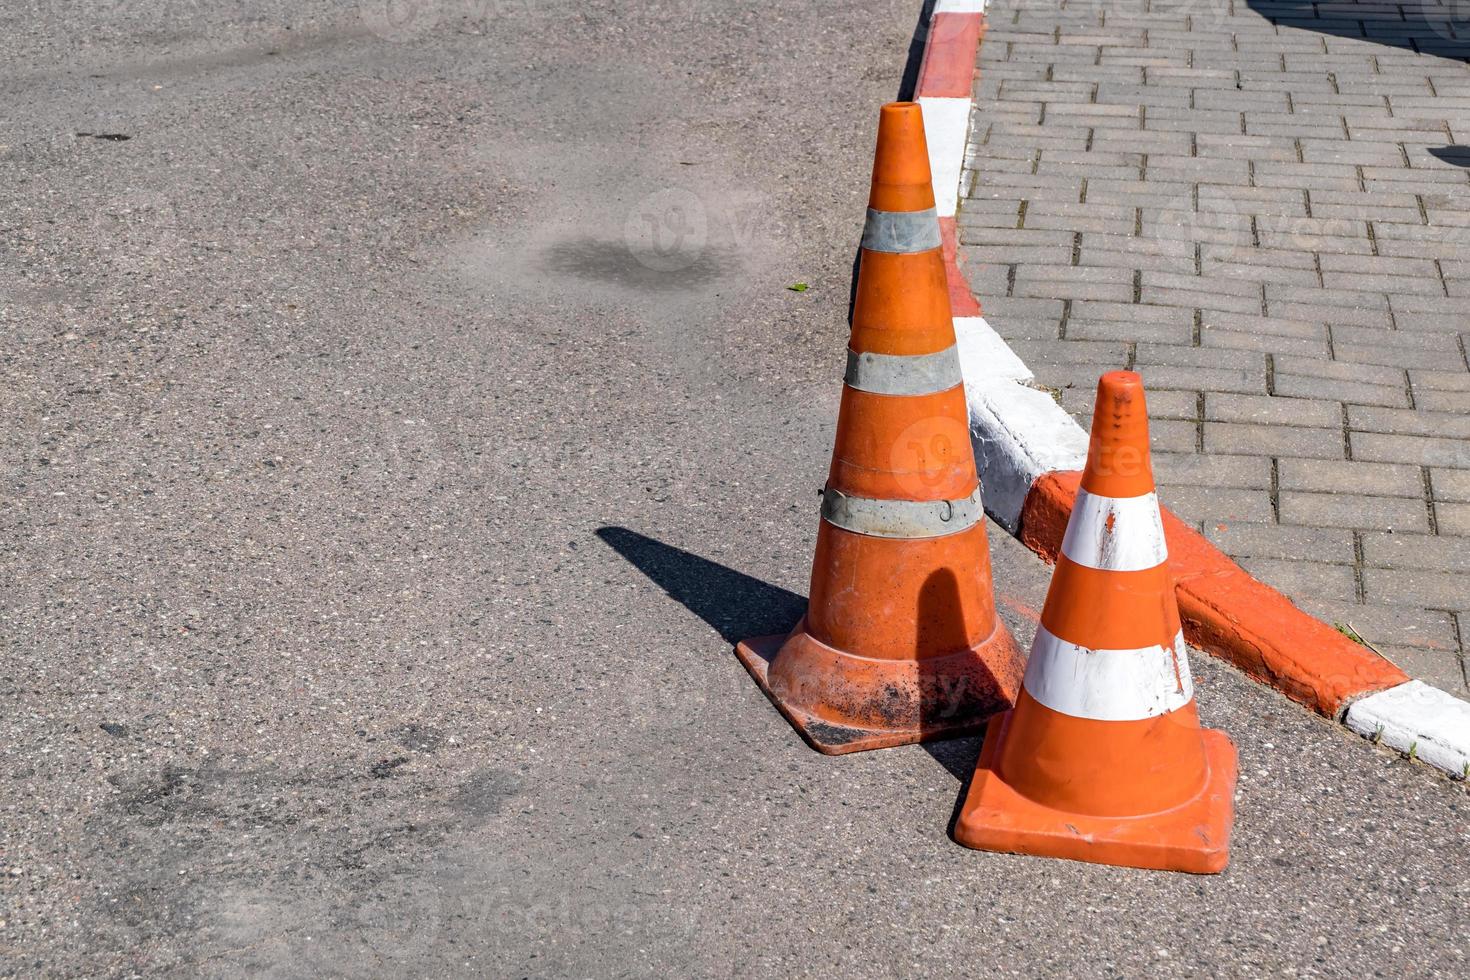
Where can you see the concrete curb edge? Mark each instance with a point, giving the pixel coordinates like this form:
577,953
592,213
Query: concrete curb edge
1028,449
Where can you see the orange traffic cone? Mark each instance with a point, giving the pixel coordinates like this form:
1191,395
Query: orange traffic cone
1103,758
900,642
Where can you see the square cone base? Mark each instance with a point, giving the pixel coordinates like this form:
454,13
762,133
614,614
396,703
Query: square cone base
1194,837
824,736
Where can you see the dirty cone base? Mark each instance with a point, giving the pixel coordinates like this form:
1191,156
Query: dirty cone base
839,739
1193,837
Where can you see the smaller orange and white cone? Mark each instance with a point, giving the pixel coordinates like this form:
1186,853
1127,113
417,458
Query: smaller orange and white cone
1103,758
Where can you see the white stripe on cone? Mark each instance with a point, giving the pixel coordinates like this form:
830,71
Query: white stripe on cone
1108,685
1115,534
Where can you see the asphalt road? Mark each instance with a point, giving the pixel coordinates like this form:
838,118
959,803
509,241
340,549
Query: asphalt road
398,427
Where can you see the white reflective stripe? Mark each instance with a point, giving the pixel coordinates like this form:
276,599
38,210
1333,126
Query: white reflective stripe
898,374
960,7
902,232
901,518
1115,534
1108,685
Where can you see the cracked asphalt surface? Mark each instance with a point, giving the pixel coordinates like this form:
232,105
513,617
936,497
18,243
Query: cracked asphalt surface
401,423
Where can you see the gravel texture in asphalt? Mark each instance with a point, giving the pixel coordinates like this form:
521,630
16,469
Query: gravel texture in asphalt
400,425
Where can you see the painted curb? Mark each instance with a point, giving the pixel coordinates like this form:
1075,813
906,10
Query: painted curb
1420,721
1029,450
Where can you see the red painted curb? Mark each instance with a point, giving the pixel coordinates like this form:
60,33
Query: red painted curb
1232,615
962,302
948,68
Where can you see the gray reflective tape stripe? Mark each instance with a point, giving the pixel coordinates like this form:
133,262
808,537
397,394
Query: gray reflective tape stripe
895,374
901,518
901,231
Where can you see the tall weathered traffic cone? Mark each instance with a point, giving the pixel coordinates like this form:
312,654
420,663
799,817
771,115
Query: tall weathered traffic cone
1103,758
900,642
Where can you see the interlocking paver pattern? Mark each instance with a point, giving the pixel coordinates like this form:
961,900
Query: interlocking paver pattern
1263,207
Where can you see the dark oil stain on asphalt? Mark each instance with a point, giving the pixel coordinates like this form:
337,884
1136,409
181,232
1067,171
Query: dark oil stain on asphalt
110,137
486,792
384,768
614,263
419,738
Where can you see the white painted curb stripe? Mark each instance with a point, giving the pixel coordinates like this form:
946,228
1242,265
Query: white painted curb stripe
1108,685
1420,720
1115,534
946,127
1018,432
984,356
960,7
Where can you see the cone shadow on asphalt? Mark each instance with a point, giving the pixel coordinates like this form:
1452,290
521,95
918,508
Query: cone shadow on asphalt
939,604
734,604
909,80
737,606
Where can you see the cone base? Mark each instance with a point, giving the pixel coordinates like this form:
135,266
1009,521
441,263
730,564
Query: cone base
839,738
1194,837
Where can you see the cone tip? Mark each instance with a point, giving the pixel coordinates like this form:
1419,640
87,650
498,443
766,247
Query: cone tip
1118,463
901,178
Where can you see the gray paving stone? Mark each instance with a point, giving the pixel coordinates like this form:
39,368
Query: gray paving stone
1450,485
1417,450
1365,374
1200,504
1417,587
1253,323
1442,400
1045,353
1180,331
1199,470
1353,510
1438,554
1367,418
1173,435
1453,519
1455,380
1212,298
1338,582
1175,355
1351,477
1305,387
1267,540
1230,407
1380,624
1196,379
1387,355
1273,440
1264,342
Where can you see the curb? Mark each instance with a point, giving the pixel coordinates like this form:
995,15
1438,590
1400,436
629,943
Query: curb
1029,452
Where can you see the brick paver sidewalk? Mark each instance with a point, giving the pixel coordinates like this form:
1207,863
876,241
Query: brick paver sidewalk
1263,208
